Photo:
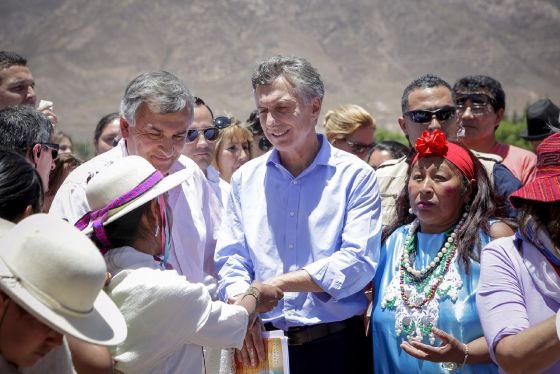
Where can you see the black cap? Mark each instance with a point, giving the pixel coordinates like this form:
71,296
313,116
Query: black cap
542,118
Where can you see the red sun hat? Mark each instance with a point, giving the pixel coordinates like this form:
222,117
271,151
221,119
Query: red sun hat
546,185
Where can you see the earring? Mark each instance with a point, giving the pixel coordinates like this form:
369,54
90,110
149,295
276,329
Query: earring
410,211
156,233
467,207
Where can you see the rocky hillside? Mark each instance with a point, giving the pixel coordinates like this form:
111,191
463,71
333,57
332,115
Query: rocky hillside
82,53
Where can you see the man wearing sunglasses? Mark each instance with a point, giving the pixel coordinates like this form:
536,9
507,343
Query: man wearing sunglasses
200,146
28,132
303,217
481,103
427,103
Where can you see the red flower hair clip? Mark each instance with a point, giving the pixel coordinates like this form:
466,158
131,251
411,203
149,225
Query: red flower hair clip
434,144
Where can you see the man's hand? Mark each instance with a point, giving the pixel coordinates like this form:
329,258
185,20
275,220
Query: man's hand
268,298
46,107
252,352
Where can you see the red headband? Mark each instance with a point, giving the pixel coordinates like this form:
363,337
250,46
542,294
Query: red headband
435,144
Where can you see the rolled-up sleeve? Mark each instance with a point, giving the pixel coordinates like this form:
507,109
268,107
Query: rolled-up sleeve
350,268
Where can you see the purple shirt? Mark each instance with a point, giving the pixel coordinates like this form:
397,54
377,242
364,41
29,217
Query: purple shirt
508,300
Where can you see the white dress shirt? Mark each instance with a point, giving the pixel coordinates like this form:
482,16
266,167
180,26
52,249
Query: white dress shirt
195,209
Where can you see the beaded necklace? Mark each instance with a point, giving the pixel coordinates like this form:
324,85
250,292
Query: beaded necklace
411,293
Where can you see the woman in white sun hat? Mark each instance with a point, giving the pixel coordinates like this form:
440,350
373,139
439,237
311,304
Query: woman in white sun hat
169,319
51,280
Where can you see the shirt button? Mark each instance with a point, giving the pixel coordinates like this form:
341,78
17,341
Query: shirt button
291,246
292,214
295,182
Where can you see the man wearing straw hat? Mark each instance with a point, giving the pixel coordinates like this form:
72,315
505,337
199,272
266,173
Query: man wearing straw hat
156,111
51,280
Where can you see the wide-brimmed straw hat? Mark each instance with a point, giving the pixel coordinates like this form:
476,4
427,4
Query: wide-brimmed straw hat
542,117
55,273
545,186
122,187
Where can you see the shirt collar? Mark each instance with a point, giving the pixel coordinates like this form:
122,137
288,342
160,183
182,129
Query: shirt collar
323,157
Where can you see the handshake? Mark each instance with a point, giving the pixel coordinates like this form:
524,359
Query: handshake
266,296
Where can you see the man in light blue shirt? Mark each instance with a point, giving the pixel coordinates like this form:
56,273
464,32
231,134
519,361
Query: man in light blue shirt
303,217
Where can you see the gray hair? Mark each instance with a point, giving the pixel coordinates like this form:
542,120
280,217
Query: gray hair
161,91
296,70
22,126
423,81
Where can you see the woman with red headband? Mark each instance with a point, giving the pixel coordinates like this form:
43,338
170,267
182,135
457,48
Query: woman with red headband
519,293
425,318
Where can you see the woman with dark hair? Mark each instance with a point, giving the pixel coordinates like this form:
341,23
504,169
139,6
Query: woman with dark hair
386,150
428,273
169,318
519,291
64,164
106,132
21,189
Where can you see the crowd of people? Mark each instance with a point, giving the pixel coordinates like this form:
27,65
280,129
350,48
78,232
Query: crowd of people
189,234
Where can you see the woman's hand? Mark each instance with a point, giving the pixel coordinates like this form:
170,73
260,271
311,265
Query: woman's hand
450,350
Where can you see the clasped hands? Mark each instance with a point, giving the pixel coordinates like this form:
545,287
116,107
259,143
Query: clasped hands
253,348
268,296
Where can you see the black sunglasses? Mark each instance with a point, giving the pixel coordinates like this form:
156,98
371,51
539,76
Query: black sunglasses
210,134
222,122
478,101
265,144
423,116
359,147
53,147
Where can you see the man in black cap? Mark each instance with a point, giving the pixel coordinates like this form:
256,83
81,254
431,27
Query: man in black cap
543,119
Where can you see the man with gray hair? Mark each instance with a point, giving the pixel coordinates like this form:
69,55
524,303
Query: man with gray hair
29,133
156,111
305,218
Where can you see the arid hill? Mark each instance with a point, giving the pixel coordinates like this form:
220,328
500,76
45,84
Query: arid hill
82,53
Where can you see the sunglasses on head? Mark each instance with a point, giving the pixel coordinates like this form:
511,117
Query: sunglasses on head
264,144
222,122
423,116
210,134
54,148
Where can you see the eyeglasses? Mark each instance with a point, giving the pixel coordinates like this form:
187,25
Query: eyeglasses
479,103
210,134
423,116
53,147
264,144
359,147
222,122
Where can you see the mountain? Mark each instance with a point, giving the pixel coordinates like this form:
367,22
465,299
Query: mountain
82,53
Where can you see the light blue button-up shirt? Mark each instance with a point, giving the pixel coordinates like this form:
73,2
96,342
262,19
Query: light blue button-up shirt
326,221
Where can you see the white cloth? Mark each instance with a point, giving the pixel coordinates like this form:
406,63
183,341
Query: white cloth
195,210
543,274
7,368
168,318
59,361
220,187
